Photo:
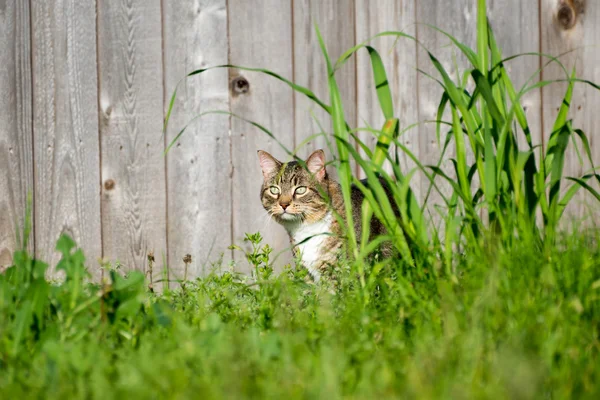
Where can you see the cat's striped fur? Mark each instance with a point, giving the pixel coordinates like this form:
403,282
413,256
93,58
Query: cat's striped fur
305,202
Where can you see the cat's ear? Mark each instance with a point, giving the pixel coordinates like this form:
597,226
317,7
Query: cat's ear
316,164
269,164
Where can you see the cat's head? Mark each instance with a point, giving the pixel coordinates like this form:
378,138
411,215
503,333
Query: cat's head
291,193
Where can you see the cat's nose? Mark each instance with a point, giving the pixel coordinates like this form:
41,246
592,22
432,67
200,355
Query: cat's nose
284,205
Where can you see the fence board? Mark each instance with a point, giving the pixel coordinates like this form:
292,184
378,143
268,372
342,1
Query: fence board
130,107
16,150
65,126
336,23
260,36
199,165
516,26
557,41
590,119
565,33
458,18
399,57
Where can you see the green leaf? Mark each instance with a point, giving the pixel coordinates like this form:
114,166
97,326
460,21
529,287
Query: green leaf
557,131
581,182
482,36
486,91
133,281
341,134
65,244
23,319
381,84
461,155
440,115
470,54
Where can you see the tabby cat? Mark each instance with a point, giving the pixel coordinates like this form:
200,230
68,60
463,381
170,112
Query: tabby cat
304,200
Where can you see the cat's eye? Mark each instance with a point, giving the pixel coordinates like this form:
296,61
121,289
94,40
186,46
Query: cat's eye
274,190
300,190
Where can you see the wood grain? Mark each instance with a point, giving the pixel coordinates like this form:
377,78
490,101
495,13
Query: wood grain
400,60
260,34
112,193
574,34
337,25
588,115
16,148
459,19
65,127
131,108
516,26
199,165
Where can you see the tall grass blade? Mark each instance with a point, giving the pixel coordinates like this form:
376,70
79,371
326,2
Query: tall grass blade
381,84
482,37
341,134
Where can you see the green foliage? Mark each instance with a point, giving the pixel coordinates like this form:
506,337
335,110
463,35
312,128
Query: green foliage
36,314
497,304
507,323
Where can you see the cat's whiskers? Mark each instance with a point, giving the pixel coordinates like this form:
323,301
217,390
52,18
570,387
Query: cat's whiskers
265,220
290,197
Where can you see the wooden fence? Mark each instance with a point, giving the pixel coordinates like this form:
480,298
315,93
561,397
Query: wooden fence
85,84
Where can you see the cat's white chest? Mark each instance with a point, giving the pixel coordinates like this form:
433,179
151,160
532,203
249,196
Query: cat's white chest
309,240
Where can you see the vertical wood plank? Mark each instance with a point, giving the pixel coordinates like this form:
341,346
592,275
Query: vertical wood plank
590,119
260,35
570,30
16,148
199,165
337,25
400,60
131,107
459,19
65,126
516,26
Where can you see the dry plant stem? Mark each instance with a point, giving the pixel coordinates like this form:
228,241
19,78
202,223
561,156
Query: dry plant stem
150,268
187,260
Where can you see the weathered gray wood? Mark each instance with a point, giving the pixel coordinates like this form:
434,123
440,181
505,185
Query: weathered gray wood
588,115
574,33
516,26
212,174
336,23
260,34
16,150
199,165
400,60
459,19
131,108
67,178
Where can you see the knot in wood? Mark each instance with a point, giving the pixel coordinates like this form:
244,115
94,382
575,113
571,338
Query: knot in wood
240,85
109,184
566,15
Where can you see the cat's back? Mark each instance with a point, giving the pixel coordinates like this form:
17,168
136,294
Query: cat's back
357,198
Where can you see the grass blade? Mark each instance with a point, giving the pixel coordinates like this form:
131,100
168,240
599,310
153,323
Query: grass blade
381,84
341,134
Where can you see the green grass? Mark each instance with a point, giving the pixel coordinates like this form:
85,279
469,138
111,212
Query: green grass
498,301
509,323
